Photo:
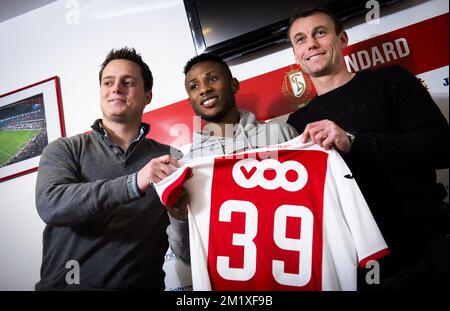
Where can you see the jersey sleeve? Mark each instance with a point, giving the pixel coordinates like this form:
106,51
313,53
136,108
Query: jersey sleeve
169,189
368,240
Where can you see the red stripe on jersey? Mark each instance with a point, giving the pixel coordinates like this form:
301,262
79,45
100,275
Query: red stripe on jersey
375,256
267,236
172,192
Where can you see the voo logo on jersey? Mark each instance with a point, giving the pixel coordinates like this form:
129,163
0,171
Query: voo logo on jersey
270,174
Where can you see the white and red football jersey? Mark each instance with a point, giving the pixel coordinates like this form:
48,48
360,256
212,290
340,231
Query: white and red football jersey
286,217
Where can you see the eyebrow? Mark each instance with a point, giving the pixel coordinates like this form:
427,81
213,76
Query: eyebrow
113,77
206,74
319,27
313,30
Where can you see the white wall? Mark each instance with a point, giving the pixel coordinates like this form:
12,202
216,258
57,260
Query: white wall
41,44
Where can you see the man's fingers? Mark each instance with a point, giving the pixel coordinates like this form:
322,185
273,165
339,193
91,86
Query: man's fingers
159,168
326,134
316,135
164,169
168,160
180,209
327,142
161,173
306,134
320,137
184,198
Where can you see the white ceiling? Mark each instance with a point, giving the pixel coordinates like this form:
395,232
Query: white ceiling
12,8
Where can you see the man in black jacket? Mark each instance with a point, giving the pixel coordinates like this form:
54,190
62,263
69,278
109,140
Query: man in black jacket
105,226
392,136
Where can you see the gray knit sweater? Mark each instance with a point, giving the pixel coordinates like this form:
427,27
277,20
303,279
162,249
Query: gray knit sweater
118,239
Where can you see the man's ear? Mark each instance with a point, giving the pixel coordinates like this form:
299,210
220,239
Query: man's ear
148,97
235,85
343,37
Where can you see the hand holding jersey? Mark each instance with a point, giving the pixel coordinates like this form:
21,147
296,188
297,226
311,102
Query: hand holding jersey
179,210
326,133
155,171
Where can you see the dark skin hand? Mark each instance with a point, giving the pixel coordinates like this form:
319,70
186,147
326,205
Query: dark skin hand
180,210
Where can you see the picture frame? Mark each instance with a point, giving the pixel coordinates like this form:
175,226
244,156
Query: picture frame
30,118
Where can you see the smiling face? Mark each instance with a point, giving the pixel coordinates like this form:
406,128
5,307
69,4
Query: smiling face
122,95
317,47
211,89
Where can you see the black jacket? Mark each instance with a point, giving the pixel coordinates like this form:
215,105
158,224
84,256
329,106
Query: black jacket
81,194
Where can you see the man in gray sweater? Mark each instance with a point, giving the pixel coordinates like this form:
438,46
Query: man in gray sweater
105,226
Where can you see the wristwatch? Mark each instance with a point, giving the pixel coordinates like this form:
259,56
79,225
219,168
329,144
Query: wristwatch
351,137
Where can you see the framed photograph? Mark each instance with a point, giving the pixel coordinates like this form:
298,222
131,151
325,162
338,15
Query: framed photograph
30,118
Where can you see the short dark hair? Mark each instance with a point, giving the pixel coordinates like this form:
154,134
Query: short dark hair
299,13
131,55
206,57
